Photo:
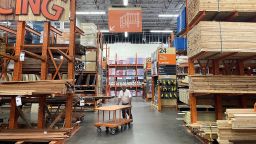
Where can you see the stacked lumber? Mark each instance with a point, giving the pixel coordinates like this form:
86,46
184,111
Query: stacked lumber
222,37
223,84
239,126
224,7
184,95
203,116
34,135
206,130
34,87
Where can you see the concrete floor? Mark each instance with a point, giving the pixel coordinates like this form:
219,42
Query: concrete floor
149,127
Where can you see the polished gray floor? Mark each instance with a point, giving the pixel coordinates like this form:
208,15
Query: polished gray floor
149,127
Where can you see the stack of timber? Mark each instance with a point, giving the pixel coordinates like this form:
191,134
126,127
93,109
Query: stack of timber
205,130
223,84
34,87
240,126
220,9
34,135
224,37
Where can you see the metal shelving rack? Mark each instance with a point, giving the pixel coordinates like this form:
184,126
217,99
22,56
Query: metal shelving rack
124,67
46,54
214,68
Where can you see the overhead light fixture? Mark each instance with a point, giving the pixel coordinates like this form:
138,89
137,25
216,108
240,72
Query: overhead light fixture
125,2
161,31
126,34
104,31
168,15
91,13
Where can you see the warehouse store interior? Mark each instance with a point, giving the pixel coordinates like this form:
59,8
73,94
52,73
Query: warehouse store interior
127,71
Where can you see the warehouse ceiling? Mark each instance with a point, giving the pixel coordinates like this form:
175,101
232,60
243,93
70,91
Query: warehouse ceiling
151,9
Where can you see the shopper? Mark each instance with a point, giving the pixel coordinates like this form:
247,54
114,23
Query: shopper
125,98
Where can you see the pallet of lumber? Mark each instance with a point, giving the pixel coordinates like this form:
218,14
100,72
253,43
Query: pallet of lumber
222,37
221,9
239,127
46,87
223,84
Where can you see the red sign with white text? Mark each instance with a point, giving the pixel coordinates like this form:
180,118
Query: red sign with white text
125,19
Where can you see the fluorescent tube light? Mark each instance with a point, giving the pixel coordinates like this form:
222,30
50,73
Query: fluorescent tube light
91,13
104,31
168,15
161,31
125,2
126,34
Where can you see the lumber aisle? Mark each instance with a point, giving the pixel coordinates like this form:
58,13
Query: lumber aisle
246,7
222,37
239,126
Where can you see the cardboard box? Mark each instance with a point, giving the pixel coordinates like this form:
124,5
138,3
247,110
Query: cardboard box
90,66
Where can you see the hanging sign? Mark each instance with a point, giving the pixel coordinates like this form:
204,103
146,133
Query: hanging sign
125,19
18,101
35,10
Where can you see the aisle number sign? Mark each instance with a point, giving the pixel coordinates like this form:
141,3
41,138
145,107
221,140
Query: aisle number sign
125,19
35,10
167,56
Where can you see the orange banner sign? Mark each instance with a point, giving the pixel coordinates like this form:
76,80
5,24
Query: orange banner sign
125,19
35,10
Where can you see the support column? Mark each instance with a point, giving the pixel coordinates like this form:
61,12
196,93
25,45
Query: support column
193,110
218,107
44,72
17,71
68,114
71,66
192,98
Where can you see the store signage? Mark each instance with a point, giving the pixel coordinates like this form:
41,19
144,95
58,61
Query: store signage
125,19
53,10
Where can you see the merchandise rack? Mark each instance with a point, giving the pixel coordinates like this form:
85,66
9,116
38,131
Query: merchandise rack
148,79
211,61
169,60
48,50
117,66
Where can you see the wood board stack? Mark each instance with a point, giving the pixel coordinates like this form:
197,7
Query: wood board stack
239,126
222,37
223,84
203,116
223,8
34,87
205,129
184,95
34,135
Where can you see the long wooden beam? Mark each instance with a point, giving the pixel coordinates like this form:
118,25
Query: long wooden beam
55,30
33,55
231,16
226,56
29,29
6,29
78,30
9,57
65,55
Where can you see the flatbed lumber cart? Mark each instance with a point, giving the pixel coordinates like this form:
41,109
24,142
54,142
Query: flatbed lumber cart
113,122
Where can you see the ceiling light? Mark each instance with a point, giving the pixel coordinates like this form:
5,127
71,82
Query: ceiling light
126,34
168,15
91,13
161,31
125,2
104,31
